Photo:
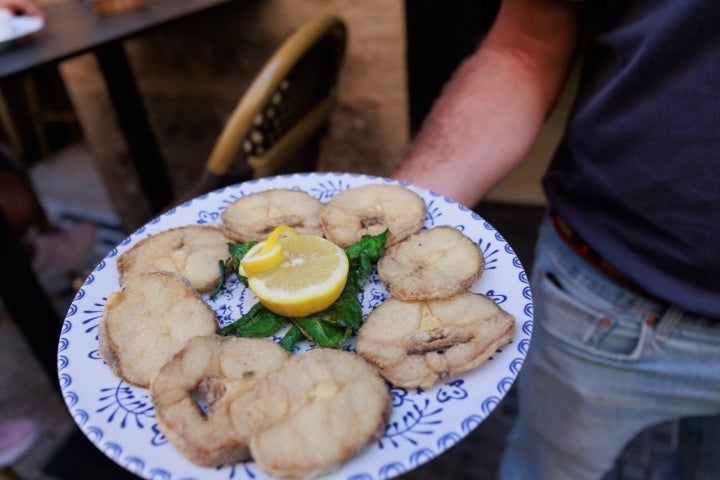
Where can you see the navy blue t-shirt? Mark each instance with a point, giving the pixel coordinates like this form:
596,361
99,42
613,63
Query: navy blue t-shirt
638,172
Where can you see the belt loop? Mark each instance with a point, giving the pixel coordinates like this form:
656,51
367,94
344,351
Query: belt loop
668,321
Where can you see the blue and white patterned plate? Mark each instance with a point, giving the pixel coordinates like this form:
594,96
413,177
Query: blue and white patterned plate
120,420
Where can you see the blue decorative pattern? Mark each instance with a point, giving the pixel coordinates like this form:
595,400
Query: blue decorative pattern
120,420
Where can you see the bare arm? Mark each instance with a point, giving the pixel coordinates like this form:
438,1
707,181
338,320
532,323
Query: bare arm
489,114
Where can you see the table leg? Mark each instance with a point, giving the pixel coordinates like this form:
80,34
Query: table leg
135,125
27,304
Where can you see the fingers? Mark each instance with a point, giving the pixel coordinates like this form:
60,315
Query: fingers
23,7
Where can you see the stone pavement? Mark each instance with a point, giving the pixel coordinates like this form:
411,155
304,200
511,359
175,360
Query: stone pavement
477,456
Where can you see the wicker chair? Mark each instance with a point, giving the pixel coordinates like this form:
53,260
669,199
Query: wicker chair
278,124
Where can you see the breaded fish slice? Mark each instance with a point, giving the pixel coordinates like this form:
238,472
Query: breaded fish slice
254,216
370,210
417,344
191,251
435,263
144,323
201,395
317,410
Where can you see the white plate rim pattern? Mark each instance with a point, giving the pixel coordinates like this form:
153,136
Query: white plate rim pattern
119,419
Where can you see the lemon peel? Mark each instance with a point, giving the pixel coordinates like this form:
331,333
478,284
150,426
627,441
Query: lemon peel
267,254
275,235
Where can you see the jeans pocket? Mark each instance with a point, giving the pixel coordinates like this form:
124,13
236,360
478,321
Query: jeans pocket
586,323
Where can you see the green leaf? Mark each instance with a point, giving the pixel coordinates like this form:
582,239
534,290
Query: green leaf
237,252
291,338
322,333
257,322
369,246
362,255
346,311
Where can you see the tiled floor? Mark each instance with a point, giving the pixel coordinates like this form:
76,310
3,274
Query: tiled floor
24,390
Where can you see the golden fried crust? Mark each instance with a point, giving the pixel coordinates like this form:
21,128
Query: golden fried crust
254,216
417,344
370,210
432,264
191,251
317,410
145,322
201,395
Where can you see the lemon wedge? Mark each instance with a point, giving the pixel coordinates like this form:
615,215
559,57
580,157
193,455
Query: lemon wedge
265,255
309,277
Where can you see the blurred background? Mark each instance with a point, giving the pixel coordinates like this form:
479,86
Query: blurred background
192,73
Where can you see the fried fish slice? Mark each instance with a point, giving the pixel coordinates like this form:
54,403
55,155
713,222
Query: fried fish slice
201,395
191,251
435,263
144,323
317,410
417,344
254,216
370,210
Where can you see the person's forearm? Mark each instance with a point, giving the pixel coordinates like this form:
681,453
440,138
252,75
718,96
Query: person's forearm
488,116
481,128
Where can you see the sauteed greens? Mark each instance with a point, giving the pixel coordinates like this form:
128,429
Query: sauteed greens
331,327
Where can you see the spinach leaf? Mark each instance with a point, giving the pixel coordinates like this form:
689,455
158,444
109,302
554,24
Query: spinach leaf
322,333
237,252
257,322
291,338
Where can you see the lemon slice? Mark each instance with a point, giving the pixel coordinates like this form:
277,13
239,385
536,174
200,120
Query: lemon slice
308,279
265,255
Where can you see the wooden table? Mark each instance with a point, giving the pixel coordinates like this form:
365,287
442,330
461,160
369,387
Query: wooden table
73,28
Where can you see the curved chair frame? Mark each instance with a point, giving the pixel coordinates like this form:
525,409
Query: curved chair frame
260,92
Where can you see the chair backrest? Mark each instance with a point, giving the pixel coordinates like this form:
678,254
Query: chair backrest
285,109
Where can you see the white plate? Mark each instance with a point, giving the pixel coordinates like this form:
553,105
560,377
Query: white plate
14,27
119,419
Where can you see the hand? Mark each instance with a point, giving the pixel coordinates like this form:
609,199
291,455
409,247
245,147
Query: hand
22,7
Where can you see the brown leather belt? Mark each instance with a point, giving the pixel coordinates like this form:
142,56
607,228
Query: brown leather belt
587,253
594,259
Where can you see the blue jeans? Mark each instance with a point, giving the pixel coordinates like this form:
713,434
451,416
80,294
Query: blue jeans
604,364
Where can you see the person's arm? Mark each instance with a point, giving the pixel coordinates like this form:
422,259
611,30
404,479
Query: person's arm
489,114
25,7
